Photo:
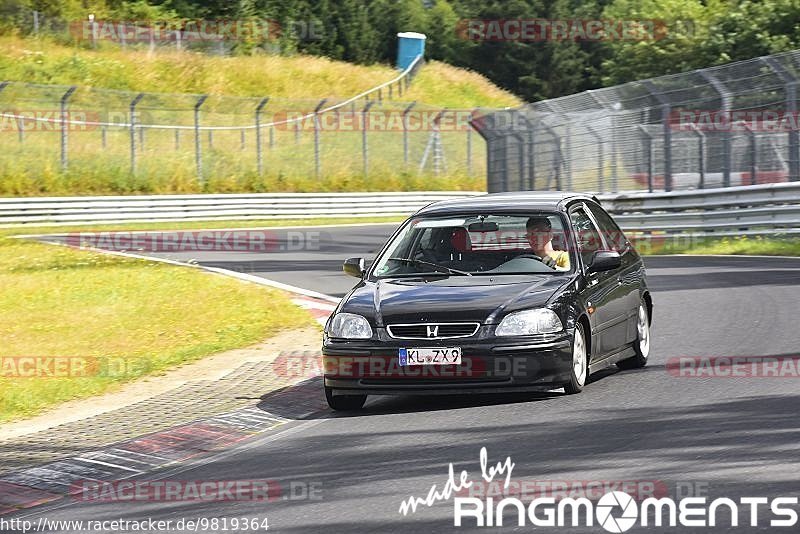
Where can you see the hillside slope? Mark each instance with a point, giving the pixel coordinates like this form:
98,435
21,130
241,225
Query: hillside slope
100,158
168,71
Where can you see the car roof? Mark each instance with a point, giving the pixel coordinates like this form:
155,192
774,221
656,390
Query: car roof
522,201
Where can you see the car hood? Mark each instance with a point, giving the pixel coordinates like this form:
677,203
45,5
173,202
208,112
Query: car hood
451,299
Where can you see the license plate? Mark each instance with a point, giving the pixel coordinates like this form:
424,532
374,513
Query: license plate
433,356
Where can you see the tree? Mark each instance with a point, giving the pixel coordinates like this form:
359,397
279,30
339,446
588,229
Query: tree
678,44
750,29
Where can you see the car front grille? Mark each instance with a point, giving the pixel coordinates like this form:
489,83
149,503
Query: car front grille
432,330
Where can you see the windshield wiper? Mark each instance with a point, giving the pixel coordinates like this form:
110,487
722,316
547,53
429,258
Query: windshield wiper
434,265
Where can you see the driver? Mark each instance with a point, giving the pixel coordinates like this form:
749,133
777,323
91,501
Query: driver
539,232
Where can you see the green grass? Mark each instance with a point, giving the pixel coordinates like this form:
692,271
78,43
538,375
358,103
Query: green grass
742,245
31,166
298,77
45,61
454,88
82,304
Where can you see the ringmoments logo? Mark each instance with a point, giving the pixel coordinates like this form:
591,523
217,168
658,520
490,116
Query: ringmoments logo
615,511
605,509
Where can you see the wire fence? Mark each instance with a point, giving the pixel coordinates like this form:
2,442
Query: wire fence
731,125
217,37
147,139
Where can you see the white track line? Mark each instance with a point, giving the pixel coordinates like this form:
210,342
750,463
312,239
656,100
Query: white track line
225,272
98,462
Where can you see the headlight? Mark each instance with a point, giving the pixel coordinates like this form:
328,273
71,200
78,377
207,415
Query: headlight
526,322
350,326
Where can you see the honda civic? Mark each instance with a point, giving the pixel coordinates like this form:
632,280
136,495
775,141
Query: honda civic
495,293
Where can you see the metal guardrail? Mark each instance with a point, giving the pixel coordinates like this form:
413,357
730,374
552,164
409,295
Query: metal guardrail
64,211
753,210
767,209
785,193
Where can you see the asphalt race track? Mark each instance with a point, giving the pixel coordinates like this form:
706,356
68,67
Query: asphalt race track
721,437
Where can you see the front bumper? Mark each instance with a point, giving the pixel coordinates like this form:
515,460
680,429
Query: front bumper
488,365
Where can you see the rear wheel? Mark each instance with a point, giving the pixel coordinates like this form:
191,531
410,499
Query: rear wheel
344,402
580,362
642,344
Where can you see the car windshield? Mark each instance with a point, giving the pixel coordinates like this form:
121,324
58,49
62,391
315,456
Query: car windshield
479,244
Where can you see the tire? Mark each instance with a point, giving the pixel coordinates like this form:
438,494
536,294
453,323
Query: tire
344,402
642,343
580,362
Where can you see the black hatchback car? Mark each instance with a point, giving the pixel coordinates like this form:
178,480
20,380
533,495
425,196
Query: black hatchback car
495,293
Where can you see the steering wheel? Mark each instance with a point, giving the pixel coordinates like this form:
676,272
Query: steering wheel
530,256
546,260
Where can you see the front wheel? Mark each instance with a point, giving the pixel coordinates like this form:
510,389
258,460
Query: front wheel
642,344
344,402
580,362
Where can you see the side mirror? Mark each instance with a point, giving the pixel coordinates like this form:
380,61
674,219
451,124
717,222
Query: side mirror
354,267
604,260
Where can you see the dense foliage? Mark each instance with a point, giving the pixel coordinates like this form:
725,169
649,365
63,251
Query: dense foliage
691,33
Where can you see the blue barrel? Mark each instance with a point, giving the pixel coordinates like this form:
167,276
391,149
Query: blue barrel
409,46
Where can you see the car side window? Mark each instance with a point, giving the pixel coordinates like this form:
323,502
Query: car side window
426,240
614,237
586,235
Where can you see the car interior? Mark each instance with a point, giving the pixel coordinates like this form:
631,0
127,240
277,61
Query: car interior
478,246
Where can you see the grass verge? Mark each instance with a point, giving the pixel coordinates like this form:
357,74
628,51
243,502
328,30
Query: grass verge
737,246
132,318
100,157
43,60
119,319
